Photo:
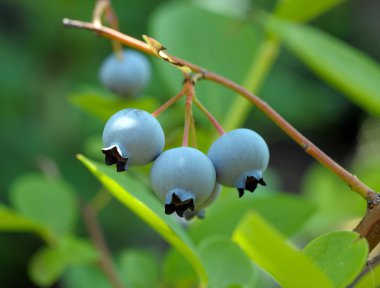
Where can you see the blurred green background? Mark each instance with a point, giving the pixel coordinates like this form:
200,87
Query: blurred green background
42,65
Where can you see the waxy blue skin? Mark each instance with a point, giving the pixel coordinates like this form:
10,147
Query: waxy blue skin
240,157
132,135
126,76
186,172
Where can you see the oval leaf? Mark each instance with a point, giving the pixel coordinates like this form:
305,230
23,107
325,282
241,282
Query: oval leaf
344,67
236,272
50,202
268,249
12,221
133,195
341,255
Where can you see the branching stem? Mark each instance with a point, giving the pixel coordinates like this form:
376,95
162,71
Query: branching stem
352,181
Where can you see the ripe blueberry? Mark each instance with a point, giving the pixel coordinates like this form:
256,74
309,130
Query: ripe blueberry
132,137
183,178
126,76
240,157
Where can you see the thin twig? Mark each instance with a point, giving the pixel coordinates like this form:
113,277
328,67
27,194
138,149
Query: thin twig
353,182
169,103
105,261
366,228
188,112
212,119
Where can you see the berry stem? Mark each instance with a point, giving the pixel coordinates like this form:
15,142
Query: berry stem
105,260
210,117
169,103
193,132
188,112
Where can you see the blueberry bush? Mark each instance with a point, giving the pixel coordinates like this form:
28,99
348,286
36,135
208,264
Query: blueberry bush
170,132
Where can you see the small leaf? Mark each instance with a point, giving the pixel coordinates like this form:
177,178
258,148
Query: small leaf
104,106
139,269
50,202
177,272
223,216
268,249
341,255
133,195
10,220
46,266
300,10
85,276
235,271
344,67
49,263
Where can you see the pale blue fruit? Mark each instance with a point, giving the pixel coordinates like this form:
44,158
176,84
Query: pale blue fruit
240,158
126,76
183,178
132,137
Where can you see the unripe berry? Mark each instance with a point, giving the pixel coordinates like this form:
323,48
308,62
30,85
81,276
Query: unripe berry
240,157
183,178
126,76
132,137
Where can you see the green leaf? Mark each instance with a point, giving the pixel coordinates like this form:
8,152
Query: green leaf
237,271
301,10
139,269
218,42
177,272
269,249
10,220
341,65
49,263
133,195
341,255
371,278
225,213
104,105
46,266
50,202
85,276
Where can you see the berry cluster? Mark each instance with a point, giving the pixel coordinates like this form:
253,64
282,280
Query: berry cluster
184,178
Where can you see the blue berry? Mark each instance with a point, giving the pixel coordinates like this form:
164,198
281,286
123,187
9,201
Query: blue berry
132,137
240,157
126,76
183,178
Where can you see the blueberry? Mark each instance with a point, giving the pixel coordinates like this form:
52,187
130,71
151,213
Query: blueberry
183,178
126,76
240,157
132,137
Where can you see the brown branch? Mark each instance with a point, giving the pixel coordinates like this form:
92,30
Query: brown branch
105,261
366,227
